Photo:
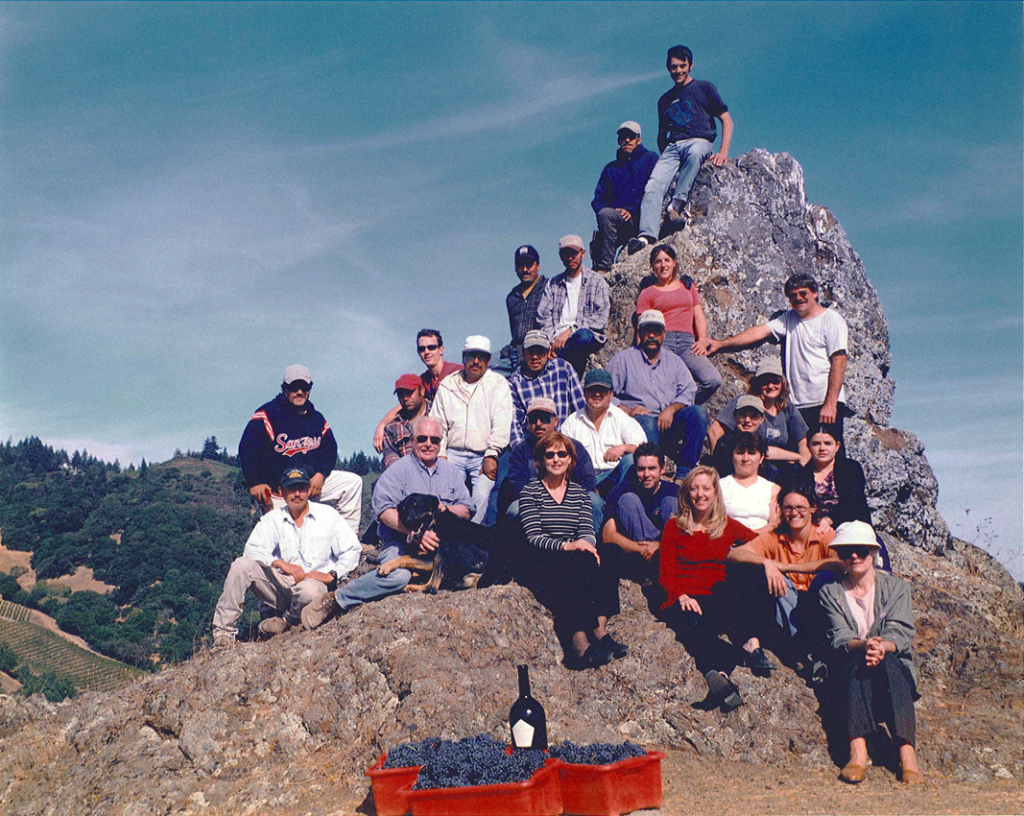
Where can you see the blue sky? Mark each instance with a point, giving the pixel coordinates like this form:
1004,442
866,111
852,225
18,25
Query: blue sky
196,195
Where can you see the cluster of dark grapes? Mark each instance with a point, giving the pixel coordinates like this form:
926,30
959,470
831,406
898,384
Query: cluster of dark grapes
600,753
479,760
411,754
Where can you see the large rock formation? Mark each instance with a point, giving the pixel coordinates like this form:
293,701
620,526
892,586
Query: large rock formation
288,726
751,228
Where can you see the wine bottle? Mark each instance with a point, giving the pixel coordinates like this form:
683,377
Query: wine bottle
526,718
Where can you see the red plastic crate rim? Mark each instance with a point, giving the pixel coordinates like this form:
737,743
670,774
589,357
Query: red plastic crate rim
609,790
540,795
391,787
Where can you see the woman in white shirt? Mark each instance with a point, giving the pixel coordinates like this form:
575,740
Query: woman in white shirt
749,498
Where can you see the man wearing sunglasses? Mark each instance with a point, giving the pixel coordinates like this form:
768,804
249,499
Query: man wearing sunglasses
814,359
289,432
422,472
618,195
575,307
430,348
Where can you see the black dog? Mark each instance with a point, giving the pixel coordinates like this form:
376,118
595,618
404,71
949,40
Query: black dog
464,551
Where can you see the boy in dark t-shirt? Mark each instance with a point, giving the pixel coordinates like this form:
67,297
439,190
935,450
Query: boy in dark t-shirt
686,134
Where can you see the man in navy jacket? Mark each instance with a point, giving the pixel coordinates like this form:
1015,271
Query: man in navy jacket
618,195
289,431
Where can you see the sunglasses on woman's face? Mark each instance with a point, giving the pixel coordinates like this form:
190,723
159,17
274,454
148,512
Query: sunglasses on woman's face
434,440
561,454
846,553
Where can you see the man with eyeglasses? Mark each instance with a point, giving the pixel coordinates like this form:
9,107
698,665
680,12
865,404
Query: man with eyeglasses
816,340
423,472
542,418
430,347
575,307
289,432
618,194
474,409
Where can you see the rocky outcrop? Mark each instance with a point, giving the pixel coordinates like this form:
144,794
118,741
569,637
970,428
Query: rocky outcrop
288,726
751,228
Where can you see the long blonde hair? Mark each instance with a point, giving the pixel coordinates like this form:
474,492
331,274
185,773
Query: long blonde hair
714,524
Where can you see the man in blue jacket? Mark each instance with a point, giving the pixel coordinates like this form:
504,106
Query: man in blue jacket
289,432
618,195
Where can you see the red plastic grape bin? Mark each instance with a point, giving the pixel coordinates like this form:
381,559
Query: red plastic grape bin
540,795
391,787
608,790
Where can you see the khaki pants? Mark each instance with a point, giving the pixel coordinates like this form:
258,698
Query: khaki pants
277,592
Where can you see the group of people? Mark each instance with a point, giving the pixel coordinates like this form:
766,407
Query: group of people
765,538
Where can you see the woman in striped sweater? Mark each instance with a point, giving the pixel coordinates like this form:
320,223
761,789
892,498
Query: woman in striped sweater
565,568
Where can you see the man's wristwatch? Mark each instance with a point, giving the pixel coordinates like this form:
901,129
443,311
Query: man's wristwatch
333,585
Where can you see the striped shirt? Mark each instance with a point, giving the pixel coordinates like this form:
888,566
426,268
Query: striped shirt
549,525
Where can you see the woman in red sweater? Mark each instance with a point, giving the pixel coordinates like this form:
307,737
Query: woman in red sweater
700,604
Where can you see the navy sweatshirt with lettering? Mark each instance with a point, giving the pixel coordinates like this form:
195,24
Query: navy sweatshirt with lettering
279,436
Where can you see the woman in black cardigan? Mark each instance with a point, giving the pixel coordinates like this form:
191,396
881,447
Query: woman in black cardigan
839,485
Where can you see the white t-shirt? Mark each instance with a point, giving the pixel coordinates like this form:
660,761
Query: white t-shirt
617,428
750,506
572,303
809,345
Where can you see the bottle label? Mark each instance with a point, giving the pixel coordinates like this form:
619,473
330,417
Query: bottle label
522,734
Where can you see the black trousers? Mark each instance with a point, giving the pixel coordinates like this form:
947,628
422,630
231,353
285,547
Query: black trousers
573,587
883,694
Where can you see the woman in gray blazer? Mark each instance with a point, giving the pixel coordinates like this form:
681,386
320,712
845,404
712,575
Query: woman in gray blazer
871,628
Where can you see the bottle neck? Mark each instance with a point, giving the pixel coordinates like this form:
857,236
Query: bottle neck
524,681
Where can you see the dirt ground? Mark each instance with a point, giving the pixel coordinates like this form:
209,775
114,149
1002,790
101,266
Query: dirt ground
739,789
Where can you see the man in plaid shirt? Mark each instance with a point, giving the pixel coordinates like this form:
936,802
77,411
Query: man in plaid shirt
542,375
574,308
398,433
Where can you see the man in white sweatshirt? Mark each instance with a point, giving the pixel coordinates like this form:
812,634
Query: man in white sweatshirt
474,408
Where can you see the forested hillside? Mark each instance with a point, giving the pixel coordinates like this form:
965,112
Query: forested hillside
162,535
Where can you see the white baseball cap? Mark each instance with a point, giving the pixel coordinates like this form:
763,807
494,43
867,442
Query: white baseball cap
477,342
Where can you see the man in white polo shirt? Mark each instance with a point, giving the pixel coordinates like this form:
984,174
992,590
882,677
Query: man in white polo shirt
605,430
814,358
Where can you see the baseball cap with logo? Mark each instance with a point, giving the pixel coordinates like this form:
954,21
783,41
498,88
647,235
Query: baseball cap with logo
651,317
294,476
526,255
536,337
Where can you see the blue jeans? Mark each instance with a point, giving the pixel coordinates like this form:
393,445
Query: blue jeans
703,370
683,157
492,502
578,348
470,462
612,231
607,479
596,508
633,522
684,440
372,586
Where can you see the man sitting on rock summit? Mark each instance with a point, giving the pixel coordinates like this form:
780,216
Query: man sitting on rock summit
289,432
618,195
816,340
295,555
686,136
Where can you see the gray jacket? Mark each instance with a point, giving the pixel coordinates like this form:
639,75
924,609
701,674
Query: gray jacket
894,619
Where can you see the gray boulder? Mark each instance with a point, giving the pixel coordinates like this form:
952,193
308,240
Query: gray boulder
751,228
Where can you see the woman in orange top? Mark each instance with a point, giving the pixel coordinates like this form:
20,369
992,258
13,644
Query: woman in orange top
792,553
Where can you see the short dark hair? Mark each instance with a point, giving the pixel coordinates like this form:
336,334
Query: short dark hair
662,248
745,440
649,449
805,489
430,333
799,281
816,429
681,53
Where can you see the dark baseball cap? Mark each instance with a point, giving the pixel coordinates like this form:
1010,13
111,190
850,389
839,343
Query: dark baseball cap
294,476
526,254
